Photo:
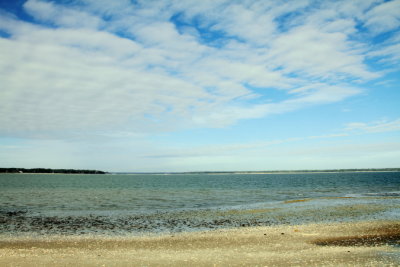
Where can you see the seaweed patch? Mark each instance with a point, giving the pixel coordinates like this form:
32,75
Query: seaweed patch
378,237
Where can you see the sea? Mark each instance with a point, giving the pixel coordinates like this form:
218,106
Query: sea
137,204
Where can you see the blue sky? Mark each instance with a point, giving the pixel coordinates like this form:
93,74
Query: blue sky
199,85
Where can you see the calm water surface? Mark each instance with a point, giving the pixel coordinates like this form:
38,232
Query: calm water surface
127,195
139,193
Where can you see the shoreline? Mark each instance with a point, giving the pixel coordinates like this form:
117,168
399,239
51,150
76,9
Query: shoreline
367,243
249,172
294,211
208,173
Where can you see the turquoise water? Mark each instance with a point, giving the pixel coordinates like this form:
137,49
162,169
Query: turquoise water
197,200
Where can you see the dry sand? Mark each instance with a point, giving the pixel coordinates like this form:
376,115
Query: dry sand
345,244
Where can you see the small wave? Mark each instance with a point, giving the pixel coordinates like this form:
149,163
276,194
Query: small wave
384,194
380,194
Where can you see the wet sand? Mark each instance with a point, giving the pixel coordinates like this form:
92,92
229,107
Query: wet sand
339,244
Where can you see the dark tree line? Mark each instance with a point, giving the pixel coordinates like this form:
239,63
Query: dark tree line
45,170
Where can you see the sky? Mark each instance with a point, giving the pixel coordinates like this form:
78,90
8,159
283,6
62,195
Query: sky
211,85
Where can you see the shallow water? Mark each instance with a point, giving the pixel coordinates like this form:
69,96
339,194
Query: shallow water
155,203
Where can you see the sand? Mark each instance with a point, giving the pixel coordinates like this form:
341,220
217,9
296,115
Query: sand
340,244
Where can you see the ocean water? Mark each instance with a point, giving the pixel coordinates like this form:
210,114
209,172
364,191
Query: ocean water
132,204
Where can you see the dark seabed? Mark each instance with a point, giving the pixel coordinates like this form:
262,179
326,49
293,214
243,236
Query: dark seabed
140,204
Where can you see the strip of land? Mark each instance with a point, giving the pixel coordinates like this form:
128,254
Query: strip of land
74,171
340,244
268,172
49,171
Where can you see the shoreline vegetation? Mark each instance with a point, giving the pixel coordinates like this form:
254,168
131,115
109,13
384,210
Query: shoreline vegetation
77,171
50,171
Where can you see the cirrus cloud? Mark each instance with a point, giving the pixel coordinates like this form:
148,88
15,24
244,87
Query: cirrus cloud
164,65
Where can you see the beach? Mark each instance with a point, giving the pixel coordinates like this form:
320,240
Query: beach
329,244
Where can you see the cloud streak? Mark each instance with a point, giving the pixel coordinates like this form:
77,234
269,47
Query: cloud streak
163,65
374,127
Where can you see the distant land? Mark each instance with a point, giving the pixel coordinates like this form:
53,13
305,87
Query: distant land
74,171
44,170
270,172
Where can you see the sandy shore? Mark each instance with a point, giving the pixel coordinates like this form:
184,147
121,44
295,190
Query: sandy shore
344,244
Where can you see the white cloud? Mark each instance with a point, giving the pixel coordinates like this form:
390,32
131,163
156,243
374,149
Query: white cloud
246,24
140,72
108,8
60,16
384,17
328,136
295,157
277,155
61,87
320,94
319,54
389,51
374,127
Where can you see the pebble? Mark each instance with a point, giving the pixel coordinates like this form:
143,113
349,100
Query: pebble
23,222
